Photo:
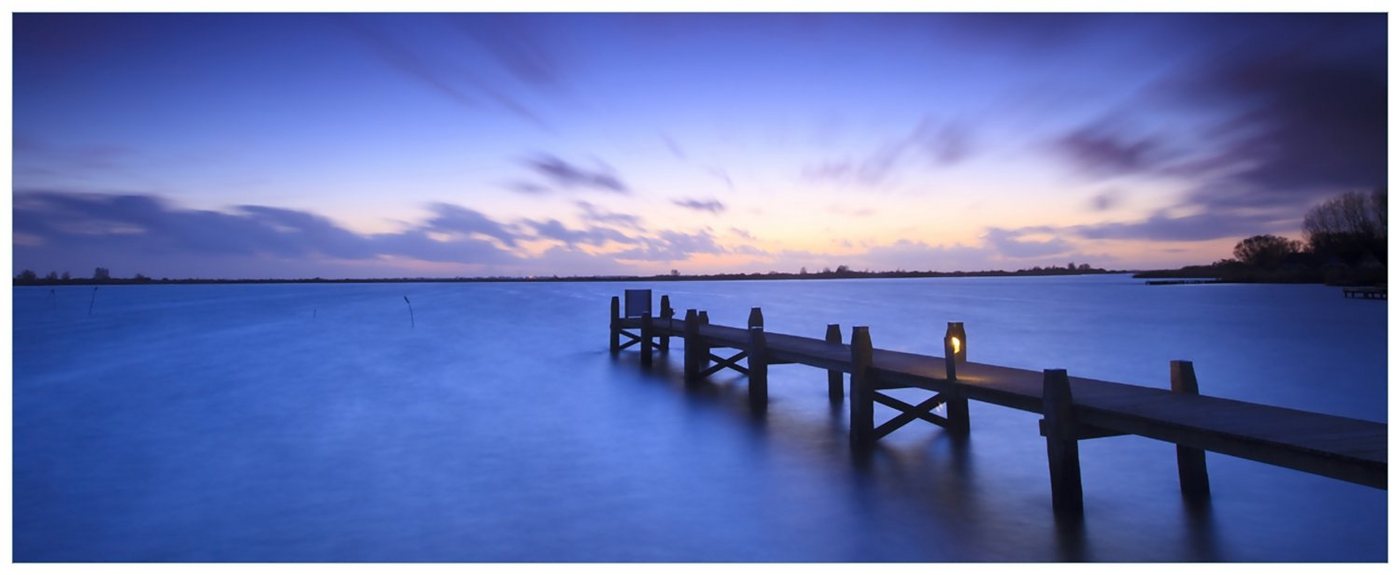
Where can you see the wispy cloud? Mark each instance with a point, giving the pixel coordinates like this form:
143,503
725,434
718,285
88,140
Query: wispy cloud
1013,243
700,205
456,219
1106,200
518,44
595,236
1105,149
673,147
452,81
569,176
60,227
528,188
595,214
936,144
672,246
1196,227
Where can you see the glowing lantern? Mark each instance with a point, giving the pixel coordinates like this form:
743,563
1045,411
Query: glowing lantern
955,342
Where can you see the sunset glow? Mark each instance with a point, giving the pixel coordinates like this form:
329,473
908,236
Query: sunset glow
388,145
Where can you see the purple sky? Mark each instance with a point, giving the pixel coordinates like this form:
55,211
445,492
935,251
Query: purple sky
359,145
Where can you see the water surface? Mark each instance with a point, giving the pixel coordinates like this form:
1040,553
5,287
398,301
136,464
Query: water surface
313,423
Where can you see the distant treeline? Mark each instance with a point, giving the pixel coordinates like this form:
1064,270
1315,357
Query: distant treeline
1345,244
29,278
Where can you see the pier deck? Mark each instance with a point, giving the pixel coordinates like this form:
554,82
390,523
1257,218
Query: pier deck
1338,447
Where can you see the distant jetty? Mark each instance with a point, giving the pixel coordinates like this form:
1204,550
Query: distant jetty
1182,282
1363,292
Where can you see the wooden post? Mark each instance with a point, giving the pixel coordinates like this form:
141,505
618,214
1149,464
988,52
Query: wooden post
1190,461
667,314
957,337
755,317
758,368
862,388
1066,489
955,351
833,376
646,338
692,346
704,319
615,327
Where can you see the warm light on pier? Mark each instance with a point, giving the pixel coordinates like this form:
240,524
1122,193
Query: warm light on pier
955,342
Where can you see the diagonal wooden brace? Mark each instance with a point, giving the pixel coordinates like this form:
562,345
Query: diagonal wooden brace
909,413
731,363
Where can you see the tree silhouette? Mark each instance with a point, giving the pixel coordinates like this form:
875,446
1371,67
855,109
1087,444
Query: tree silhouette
1265,251
1349,227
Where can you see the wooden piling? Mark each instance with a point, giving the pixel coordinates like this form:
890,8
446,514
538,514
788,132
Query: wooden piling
647,331
1062,445
692,346
758,368
833,376
1341,448
959,420
615,327
755,317
1190,461
704,319
862,388
667,314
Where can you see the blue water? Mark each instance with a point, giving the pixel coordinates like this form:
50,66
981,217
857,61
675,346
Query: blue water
313,423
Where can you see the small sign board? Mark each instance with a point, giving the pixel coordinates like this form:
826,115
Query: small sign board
638,302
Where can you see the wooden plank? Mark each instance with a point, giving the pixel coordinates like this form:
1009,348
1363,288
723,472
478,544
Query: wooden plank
1343,448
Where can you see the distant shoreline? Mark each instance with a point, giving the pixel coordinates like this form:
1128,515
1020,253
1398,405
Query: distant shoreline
42,282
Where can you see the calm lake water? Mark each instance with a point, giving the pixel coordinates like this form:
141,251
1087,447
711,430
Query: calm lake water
313,423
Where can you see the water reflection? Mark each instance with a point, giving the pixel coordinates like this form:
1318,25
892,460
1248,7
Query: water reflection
221,423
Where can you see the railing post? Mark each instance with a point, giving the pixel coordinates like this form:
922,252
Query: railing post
755,317
1190,461
1066,488
615,327
758,368
955,351
646,338
704,319
833,376
667,314
862,388
692,346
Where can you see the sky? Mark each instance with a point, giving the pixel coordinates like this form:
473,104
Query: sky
445,145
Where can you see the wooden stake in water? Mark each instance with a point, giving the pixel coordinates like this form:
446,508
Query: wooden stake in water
411,323
93,300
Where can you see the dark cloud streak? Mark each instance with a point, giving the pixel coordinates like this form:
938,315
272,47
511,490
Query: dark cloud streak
566,175
711,205
939,144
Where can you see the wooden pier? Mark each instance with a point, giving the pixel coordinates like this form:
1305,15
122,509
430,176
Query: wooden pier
1182,282
1364,292
1073,408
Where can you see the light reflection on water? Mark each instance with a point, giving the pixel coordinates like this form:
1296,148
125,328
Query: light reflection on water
312,423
